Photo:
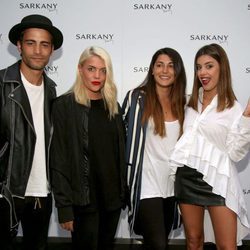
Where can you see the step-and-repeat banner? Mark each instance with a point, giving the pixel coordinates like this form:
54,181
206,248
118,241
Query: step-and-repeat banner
131,31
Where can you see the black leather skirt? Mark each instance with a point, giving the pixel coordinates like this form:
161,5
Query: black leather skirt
190,188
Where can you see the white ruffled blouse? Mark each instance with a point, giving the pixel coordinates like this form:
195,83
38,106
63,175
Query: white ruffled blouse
211,143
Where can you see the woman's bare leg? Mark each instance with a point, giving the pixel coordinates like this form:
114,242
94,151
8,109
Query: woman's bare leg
193,217
224,222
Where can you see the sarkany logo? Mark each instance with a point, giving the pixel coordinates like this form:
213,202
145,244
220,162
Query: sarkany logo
246,191
39,6
103,37
140,69
164,7
51,70
220,38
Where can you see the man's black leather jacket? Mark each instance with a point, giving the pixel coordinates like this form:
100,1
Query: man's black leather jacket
19,153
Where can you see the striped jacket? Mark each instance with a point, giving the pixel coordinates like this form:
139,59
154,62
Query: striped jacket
136,134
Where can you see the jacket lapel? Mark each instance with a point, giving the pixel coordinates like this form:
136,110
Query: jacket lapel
19,95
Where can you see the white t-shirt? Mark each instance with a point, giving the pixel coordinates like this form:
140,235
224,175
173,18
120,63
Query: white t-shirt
155,173
37,183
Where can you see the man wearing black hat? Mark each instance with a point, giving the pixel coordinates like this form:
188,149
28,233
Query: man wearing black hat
26,94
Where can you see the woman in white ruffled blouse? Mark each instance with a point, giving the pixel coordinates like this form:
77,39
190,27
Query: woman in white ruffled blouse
216,135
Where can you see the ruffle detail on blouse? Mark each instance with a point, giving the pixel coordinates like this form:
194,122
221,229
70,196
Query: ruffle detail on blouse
217,169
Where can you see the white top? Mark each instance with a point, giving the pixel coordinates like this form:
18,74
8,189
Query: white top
212,142
155,173
37,183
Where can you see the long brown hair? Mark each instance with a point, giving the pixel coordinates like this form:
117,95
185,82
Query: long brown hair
226,96
152,106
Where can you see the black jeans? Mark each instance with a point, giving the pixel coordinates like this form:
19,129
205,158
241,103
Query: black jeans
154,222
94,230
34,215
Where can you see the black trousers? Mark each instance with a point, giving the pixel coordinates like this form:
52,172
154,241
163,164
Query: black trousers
94,230
34,215
154,222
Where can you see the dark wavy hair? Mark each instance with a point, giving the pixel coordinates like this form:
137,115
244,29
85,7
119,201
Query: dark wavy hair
152,107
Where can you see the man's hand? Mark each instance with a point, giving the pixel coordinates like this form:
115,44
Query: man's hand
68,226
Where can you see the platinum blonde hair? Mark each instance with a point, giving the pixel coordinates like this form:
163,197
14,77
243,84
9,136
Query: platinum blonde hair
109,91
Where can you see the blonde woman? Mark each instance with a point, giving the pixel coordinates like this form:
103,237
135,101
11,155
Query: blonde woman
87,154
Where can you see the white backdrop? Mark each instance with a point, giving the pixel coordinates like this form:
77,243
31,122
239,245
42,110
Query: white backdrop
131,31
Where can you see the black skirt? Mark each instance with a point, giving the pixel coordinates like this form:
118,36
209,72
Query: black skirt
190,188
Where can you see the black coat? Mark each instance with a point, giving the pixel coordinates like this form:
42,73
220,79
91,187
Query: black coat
69,156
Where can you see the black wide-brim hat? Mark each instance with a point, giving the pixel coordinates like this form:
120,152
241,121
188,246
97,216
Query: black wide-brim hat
36,21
